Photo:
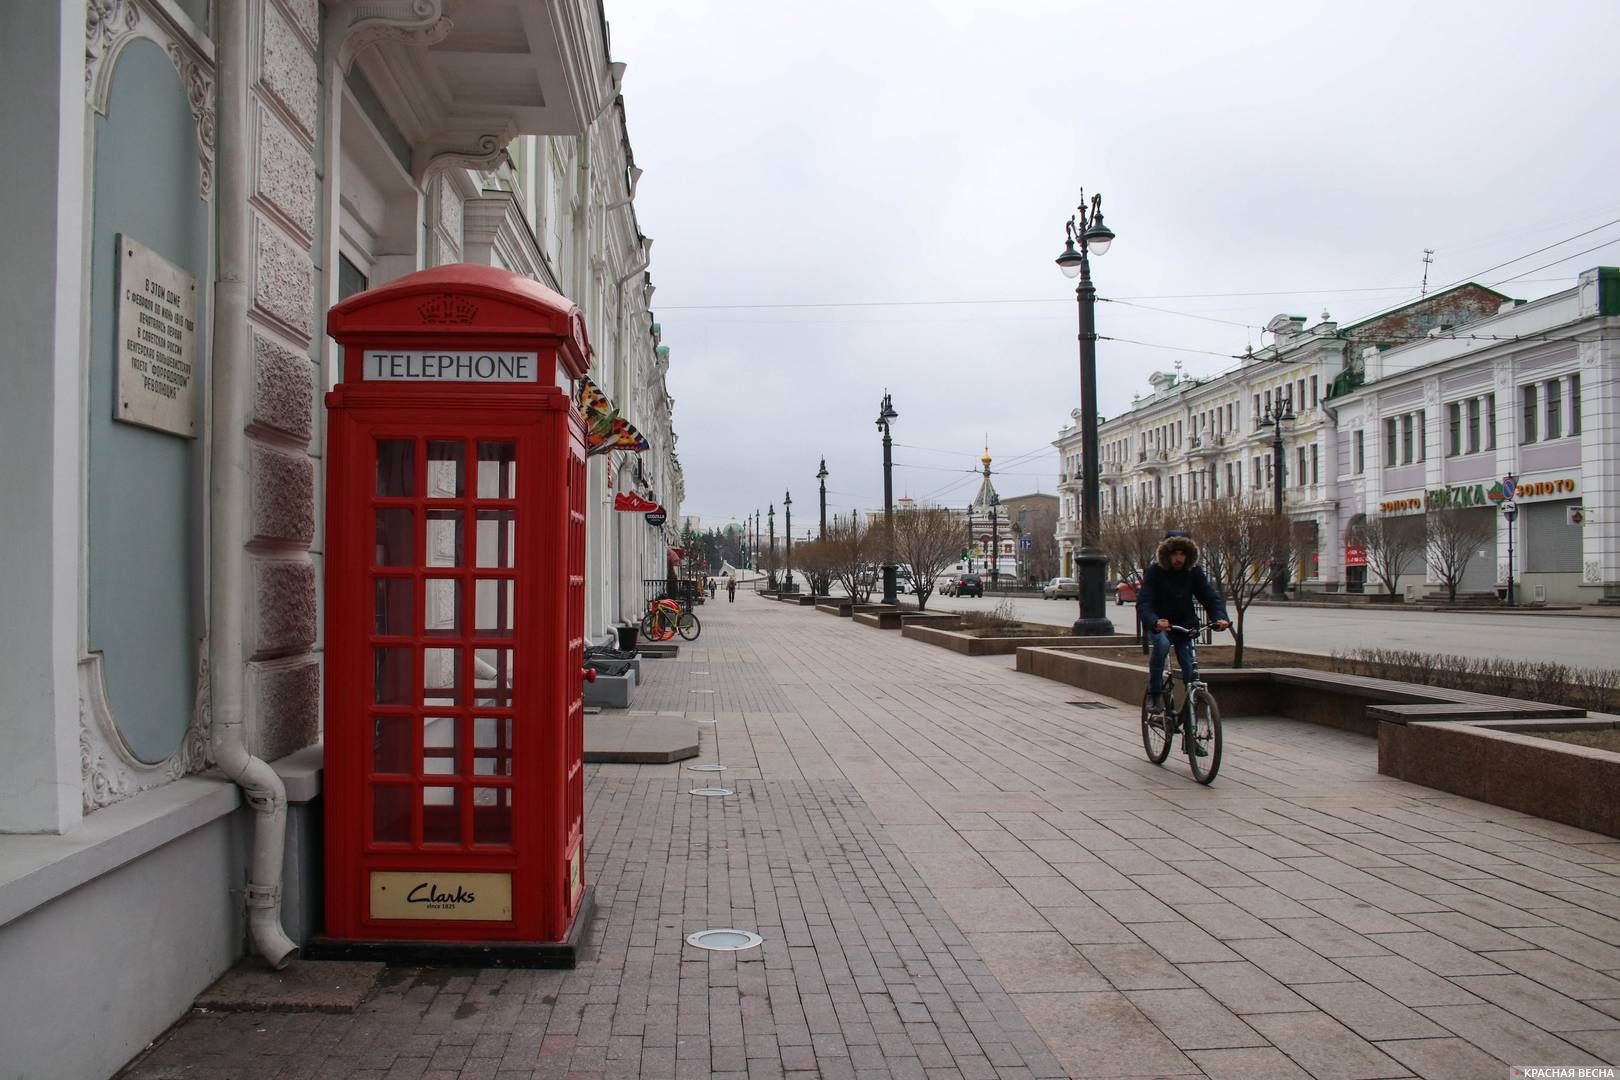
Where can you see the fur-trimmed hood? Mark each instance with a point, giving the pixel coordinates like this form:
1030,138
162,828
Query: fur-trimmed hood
1177,542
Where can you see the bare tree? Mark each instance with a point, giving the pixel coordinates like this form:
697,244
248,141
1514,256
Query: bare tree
816,559
1239,545
1130,538
853,546
927,541
1394,546
1454,538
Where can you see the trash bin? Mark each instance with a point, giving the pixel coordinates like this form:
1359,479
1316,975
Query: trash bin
627,638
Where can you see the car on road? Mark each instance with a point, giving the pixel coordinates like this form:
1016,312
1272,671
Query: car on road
1061,587
967,585
1124,592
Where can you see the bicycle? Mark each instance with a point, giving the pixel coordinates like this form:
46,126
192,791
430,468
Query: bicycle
665,618
1197,718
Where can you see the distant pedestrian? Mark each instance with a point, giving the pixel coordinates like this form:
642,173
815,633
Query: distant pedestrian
731,590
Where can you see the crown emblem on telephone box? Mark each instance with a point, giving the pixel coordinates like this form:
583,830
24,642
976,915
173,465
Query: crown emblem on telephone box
448,309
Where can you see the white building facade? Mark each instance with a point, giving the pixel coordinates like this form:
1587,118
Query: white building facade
1423,407
256,162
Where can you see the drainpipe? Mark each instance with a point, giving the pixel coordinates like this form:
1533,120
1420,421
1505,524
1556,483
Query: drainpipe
227,497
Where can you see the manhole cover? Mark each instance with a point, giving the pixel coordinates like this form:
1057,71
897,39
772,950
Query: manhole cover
706,768
1089,704
711,792
724,940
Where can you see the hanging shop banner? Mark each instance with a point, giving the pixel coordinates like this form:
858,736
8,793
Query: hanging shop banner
1560,488
605,429
1355,555
1400,506
633,503
657,517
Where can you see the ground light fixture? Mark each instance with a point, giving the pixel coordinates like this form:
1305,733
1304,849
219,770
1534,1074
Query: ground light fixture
706,768
711,792
725,939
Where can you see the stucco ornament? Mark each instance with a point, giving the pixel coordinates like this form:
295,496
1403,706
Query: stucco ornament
108,769
360,24
110,25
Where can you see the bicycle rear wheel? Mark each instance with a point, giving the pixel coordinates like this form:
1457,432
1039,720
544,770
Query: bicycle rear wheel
647,625
1204,732
689,626
1155,731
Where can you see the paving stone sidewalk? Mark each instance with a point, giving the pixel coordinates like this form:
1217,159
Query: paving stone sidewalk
958,872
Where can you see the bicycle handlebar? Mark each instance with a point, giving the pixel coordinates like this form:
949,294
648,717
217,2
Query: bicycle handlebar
1188,630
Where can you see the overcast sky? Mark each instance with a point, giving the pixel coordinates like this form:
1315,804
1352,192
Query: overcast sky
856,153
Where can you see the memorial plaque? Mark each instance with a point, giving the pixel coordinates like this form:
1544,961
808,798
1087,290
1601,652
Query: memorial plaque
156,342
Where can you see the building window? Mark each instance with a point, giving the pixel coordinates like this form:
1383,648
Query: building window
1406,439
1453,429
1301,393
1300,479
1229,478
1268,470
1490,421
1268,402
1315,463
1257,409
1314,379
1231,407
1575,404
1389,442
1555,409
1255,482
1528,435
1473,425
1422,435
1361,451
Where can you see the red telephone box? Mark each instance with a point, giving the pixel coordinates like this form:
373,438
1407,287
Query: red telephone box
455,605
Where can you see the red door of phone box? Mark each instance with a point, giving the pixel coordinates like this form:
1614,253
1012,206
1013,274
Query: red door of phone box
455,581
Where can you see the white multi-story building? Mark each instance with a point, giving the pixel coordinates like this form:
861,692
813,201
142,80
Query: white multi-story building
1533,393
162,582
1195,439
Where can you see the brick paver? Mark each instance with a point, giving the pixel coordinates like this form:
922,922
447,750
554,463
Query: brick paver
958,873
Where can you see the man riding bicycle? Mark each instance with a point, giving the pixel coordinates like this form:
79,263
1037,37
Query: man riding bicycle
1165,599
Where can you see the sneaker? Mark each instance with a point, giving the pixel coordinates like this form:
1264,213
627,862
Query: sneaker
1190,747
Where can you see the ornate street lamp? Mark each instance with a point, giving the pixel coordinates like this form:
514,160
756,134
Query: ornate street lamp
1510,510
886,418
787,530
821,475
1086,229
770,521
1279,462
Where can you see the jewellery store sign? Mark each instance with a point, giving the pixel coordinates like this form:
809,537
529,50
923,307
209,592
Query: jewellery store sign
157,342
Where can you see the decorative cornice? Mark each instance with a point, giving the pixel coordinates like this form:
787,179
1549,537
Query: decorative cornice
484,151
358,25
112,24
108,768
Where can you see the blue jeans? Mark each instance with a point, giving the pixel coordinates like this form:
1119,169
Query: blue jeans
1161,642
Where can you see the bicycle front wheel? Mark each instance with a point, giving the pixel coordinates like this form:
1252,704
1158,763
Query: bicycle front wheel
689,626
1204,734
1155,730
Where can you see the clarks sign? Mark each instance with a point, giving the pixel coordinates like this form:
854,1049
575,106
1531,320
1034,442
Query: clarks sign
480,897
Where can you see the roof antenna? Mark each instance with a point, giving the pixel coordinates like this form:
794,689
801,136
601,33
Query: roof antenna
1428,260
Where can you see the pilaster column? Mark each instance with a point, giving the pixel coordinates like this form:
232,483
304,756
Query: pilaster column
42,73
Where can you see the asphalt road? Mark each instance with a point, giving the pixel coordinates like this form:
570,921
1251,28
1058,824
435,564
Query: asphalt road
1570,639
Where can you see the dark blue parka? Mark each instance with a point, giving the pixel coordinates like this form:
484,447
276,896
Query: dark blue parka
1169,594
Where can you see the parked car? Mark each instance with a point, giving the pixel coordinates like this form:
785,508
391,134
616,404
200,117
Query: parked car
967,585
944,584
1061,587
1124,592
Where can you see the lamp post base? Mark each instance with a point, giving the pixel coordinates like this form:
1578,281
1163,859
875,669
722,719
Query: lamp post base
890,596
1084,627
